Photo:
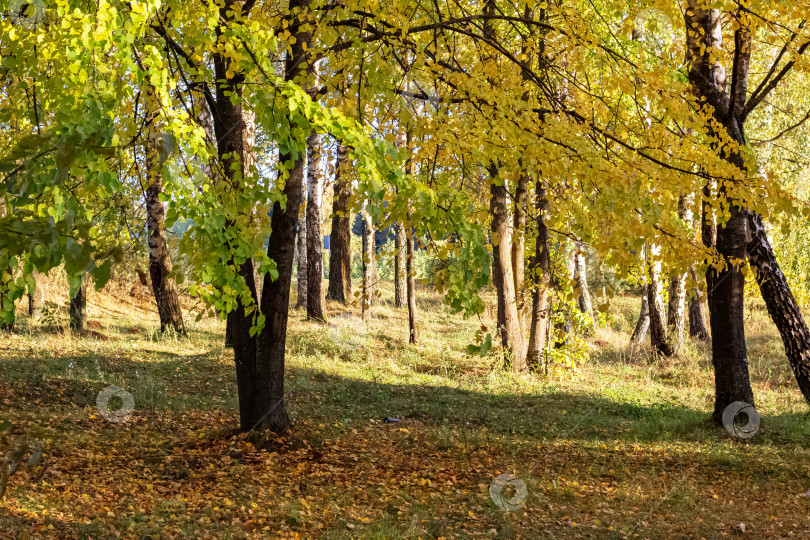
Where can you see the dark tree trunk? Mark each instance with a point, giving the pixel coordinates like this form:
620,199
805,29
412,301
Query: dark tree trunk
268,402
782,307
512,338
314,238
726,308
252,369
541,271
36,299
340,252
697,318
725,286
260,358
413,321
248,130
229,330
400,285
164,286
655,304
643,323
78,308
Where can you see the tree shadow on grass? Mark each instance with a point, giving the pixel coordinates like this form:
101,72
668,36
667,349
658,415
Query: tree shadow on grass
202,381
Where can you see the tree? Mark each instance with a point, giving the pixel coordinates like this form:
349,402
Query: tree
410,244
541,277
314,242
782,307
36,298
78,305
643,323
413,320
655,305
581,279
157,148
400,284
340,271
369,260
697,317
697,324
508,316
519,247
729,108
301,249
677,298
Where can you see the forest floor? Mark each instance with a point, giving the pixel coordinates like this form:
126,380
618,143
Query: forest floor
618,448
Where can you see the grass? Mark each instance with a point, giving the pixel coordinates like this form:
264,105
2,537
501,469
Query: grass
620,448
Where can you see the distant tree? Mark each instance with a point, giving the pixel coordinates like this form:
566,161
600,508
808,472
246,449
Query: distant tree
643,323
400,277
340,262
160,263
78,306
36,298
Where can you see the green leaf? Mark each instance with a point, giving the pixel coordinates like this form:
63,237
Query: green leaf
101,274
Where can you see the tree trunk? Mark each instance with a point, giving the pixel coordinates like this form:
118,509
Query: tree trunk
248,158
340,251
697,318
413,321
782,307
368,263
78,308
726,285
519,248
314,238
260,357
726,316
643,323
581,280
301,246
677,298
164,286
676,312
400,285
36,299
655,303
541,275
512,338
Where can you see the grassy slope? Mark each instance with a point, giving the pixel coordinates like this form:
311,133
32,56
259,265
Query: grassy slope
620,449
